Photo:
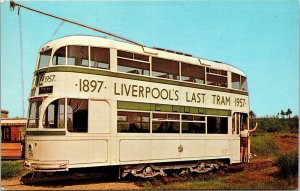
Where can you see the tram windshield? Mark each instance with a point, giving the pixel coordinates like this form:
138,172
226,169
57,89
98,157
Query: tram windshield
44,58
34,113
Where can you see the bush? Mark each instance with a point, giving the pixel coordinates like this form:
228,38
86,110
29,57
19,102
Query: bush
264,145
10,169
288,164
275,124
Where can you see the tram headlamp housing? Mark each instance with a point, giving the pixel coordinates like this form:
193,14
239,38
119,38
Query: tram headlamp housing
30,150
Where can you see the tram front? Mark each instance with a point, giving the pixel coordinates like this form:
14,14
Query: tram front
46,120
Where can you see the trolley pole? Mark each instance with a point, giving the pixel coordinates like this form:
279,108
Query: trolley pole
13,5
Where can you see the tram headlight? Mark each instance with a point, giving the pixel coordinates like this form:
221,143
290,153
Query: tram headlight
30,150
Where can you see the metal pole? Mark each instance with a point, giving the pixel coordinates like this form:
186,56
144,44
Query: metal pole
13,4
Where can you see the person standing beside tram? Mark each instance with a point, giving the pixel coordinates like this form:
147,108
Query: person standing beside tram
244,141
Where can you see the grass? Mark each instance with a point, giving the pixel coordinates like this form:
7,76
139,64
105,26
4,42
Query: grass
264,145
10,169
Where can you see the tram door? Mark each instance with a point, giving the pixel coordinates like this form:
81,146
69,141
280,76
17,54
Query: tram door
237,120
99,126
99,116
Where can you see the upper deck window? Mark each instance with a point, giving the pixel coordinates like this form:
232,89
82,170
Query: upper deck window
192,73
238,82
216,77
44,58
164,68
59,57
235,81
78,55
133,63
100,58
244,83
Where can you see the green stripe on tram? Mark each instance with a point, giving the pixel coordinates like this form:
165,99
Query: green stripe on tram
171,108
45,133
136,77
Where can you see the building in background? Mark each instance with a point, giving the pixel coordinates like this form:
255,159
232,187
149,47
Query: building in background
12,136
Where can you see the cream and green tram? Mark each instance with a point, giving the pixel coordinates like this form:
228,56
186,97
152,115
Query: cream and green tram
100,102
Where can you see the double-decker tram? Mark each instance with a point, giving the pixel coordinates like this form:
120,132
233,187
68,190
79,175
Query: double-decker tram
100,102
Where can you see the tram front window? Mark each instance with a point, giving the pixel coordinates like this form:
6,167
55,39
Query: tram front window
44,58
34,113
59,57
54,116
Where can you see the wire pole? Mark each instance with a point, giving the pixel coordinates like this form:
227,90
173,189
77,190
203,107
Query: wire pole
21,59
13,5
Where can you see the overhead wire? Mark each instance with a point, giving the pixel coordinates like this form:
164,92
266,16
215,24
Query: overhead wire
13,5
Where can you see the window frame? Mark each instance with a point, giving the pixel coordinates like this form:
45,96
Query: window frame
139,122
133,57
219,73
67,113
243,82
40,56
68,54
193,121
165,75
167,120
46,112
65,57
90,58
220,131
196,79
36,119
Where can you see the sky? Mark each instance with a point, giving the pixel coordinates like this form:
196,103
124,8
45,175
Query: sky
259,37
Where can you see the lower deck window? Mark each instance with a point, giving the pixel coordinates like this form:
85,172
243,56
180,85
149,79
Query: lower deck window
54,116
193,124
34,113
165,123
77,115
217,125
133,122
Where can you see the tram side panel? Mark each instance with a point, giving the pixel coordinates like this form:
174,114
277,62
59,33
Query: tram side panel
171,147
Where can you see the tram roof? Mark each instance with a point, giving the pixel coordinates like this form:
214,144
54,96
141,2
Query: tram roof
151,51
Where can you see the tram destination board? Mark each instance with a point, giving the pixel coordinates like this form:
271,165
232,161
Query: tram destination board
46,90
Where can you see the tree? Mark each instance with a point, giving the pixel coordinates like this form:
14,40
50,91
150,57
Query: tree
282,114
289,112
252,114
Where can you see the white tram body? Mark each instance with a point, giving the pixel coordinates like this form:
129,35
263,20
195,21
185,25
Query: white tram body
100,102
